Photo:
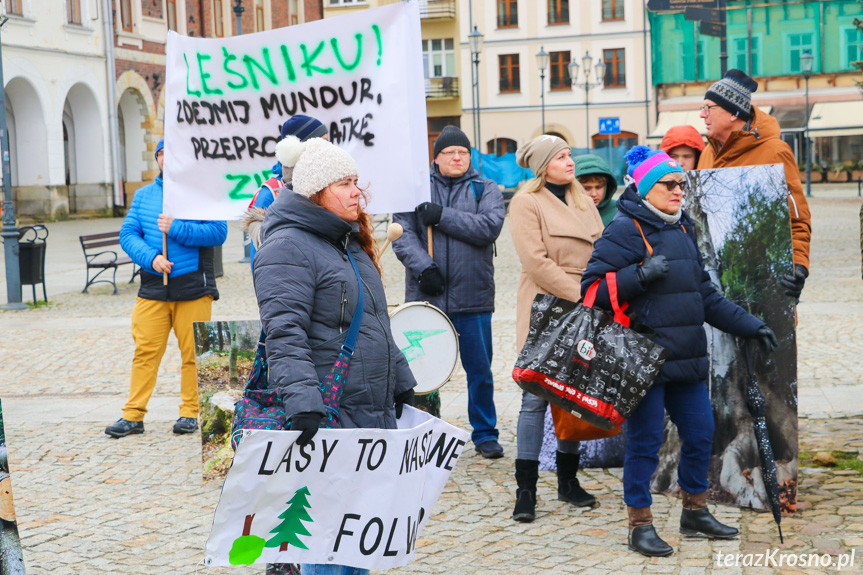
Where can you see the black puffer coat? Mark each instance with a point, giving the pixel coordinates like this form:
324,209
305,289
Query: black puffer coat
676,306
307,293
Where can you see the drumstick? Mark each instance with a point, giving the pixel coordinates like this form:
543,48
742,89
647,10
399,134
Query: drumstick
431,247
394,232
165,254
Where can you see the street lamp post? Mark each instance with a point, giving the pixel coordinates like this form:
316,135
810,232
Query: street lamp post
806,69
542,64
10,230
475,39
587,63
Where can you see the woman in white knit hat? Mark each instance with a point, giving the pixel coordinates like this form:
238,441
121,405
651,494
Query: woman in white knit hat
553,225
316,268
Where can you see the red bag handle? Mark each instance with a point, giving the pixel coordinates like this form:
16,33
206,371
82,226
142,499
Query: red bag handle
590,298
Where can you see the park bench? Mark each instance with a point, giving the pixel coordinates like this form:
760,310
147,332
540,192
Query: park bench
104,260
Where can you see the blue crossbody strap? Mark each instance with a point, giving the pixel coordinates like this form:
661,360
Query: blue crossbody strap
354,329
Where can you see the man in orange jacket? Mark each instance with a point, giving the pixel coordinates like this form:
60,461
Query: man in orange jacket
738,134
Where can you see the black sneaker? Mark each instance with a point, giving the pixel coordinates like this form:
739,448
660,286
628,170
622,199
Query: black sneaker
186,425
490,449
124,427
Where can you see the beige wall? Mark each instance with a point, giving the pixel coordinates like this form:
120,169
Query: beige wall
518,116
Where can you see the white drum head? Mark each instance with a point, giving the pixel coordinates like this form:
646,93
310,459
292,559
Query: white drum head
428,340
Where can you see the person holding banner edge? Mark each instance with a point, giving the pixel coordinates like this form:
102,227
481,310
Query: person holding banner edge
652,248
461,223
306,283
188,297
553,224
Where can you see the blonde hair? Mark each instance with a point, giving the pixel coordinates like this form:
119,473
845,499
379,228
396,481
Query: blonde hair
580,201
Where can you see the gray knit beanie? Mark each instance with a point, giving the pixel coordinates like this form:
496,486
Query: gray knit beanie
316,163
734,93
537,153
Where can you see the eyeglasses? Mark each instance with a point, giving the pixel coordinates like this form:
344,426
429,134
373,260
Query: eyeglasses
706,108
671,184
451,153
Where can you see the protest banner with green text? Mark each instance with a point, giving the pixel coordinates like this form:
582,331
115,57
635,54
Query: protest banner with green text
360,74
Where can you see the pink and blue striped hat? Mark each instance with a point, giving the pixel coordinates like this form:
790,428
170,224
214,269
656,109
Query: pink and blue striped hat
647,166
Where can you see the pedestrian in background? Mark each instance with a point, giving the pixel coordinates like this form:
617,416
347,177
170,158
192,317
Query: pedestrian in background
684,145
594,175
651,246
317,240
187,298
304,128
465,216
554,225
739,134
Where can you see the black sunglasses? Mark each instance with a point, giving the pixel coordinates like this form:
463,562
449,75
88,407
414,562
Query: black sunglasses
671,184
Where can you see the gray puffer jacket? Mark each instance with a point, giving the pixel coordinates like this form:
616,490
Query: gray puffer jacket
307,293
463,243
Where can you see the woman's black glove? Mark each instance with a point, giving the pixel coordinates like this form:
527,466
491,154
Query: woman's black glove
766,339
429,213
794,282
402,399
431,281
651,269
307,423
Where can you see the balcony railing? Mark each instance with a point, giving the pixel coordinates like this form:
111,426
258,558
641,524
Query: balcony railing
441,87
432,9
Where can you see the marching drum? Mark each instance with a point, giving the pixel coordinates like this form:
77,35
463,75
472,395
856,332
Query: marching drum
429,342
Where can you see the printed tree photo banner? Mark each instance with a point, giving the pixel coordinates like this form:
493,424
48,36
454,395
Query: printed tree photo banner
360,74
357,497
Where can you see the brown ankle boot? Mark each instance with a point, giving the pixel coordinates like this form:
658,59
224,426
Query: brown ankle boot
695,519
642,535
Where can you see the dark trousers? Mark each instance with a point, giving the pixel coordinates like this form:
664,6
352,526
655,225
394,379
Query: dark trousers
688,405
474,341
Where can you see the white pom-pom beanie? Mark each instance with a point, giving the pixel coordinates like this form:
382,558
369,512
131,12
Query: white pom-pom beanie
316,163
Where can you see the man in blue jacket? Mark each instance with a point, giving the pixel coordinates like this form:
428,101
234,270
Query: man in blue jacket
187,297
466,215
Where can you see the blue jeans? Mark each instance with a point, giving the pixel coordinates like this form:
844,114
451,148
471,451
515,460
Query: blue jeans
474,341
531,426
319,569
689,407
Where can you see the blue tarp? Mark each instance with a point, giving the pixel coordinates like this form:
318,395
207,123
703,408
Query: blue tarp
503,170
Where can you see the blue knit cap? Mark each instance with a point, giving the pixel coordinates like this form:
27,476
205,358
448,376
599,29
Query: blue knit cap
303,127
647,166
159,146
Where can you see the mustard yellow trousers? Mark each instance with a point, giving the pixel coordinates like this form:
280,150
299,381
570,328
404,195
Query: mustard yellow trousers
152,321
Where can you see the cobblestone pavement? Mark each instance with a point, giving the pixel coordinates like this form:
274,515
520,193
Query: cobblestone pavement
89,504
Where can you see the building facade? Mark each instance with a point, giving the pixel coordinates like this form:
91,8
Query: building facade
513,93
766,39
56,82
442,65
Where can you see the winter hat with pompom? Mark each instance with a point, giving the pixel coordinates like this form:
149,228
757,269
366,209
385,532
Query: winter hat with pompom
316,163
646,166
734,93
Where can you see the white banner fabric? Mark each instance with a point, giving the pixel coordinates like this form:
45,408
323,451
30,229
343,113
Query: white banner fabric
360,74
356,497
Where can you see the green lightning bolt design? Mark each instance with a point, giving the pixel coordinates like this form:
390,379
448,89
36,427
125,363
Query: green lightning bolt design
415,349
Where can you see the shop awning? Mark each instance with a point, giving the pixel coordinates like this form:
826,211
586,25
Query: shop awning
671,118
836,119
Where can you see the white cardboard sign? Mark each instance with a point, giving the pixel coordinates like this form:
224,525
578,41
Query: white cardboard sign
356,497
360,74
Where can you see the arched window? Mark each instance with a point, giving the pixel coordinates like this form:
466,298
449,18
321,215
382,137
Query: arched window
501,146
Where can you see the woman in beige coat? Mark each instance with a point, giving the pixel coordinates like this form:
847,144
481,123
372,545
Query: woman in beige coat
553,225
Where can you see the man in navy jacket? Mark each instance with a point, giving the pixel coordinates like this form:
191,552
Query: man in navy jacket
187,298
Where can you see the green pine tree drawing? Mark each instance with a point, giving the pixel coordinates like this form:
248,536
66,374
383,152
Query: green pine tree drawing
288,531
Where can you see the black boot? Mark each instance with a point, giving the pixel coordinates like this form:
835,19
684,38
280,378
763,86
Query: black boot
642,535
568,488
696,519
526,474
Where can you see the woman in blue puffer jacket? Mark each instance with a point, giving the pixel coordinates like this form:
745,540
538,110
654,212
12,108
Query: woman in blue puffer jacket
651,245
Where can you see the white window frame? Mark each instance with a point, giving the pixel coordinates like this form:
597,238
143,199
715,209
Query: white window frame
444,52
